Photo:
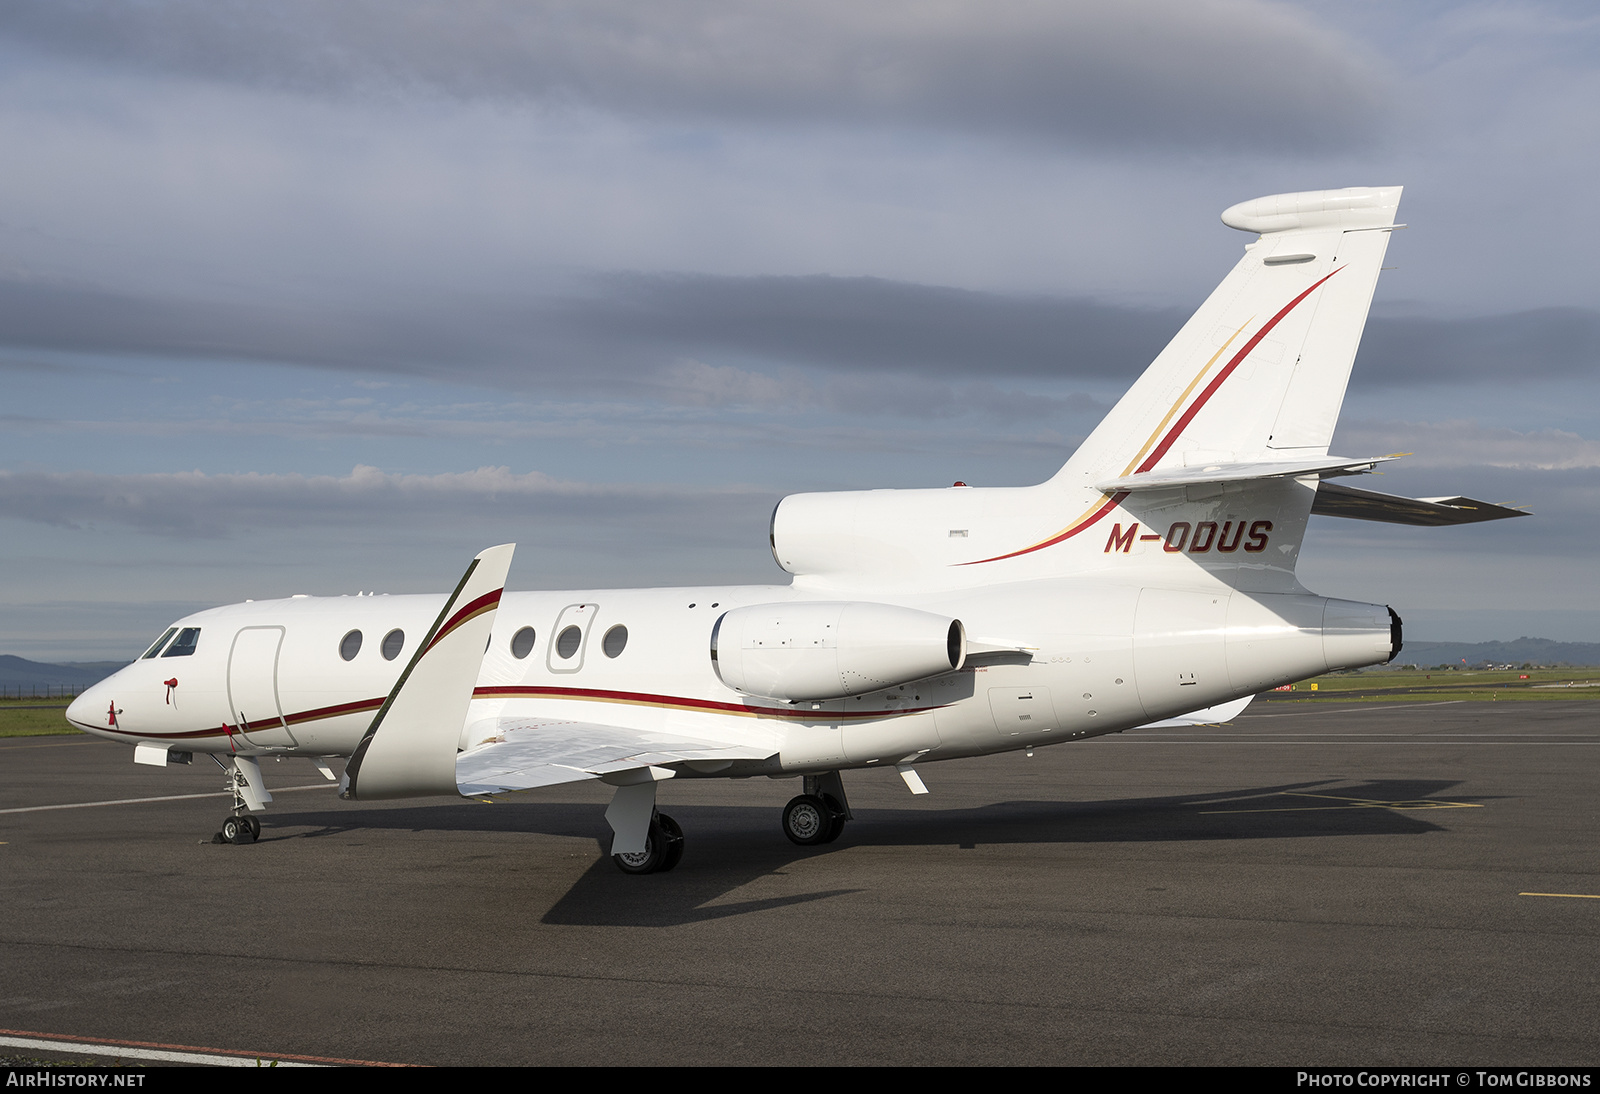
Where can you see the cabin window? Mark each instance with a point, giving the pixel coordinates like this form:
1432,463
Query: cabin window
184,644
162,641
567,643
522,643
350,645
393,643
615,641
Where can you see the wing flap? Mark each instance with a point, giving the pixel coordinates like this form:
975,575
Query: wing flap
526,753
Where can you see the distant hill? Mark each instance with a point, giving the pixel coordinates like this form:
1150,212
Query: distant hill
1536,651
19,672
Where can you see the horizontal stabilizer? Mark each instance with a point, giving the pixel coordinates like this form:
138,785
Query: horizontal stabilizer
1212,473
1338,500
525,753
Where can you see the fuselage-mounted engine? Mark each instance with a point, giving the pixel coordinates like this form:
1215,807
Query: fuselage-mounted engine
830,650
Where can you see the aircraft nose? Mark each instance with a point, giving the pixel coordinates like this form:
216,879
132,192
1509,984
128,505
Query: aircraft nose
78,709
89,708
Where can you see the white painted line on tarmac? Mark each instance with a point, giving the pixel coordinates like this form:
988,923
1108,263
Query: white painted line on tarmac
1354,710
167,798
187,1054
89,1048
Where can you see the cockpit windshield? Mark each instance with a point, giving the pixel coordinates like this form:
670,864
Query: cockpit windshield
184,644
162,641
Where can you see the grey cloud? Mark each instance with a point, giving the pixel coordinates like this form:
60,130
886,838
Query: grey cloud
696,338
625,327
195,505
1543,343
1456,444
872,323
1194,73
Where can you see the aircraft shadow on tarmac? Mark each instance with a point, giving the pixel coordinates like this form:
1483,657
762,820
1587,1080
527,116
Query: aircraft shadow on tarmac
732,846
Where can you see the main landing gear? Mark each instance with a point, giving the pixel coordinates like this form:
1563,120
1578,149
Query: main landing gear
655,842
818,815
663,848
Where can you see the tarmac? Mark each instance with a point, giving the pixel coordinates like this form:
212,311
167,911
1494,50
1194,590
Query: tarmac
1315,884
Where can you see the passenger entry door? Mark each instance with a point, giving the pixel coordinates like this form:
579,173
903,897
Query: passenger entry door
253,707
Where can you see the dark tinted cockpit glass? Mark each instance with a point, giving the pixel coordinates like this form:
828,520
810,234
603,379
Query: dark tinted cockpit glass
184,644
162,641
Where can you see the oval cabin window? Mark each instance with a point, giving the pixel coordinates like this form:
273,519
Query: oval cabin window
522,643
350,645
615,641
567,643
393,643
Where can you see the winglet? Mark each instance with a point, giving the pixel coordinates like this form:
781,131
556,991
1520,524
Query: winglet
415,754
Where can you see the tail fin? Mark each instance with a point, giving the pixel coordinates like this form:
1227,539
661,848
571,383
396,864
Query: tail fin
1223,435
1259,372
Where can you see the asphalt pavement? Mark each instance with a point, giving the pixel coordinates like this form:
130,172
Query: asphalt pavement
1307,886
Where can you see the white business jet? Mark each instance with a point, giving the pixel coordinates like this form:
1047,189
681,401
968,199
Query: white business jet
1152,578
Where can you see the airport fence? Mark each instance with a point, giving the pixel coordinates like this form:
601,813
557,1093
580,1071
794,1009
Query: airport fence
41,691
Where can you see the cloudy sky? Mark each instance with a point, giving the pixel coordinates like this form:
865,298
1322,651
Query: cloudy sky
309,297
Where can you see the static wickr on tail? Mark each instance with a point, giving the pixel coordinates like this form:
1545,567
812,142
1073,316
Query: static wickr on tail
1151,581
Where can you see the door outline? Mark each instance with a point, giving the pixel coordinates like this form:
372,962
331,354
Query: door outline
239,719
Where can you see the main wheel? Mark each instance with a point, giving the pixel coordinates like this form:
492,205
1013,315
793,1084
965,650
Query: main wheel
674,840
836,818
237,830
807,820
650,859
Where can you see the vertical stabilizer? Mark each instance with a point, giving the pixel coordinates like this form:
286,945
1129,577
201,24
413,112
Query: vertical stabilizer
1260,370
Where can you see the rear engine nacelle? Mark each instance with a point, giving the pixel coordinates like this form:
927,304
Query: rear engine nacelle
831,650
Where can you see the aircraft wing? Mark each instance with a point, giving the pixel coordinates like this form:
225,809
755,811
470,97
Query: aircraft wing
525,753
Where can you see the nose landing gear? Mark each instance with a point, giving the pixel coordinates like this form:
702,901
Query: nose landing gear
249,792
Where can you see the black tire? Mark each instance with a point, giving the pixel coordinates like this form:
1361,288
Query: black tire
674,840
650,859
807,821
255,827
836,818
237,830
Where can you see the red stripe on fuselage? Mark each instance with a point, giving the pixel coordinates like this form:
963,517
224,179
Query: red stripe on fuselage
709,706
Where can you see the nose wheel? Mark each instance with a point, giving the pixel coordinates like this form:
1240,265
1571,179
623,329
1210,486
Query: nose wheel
239,830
